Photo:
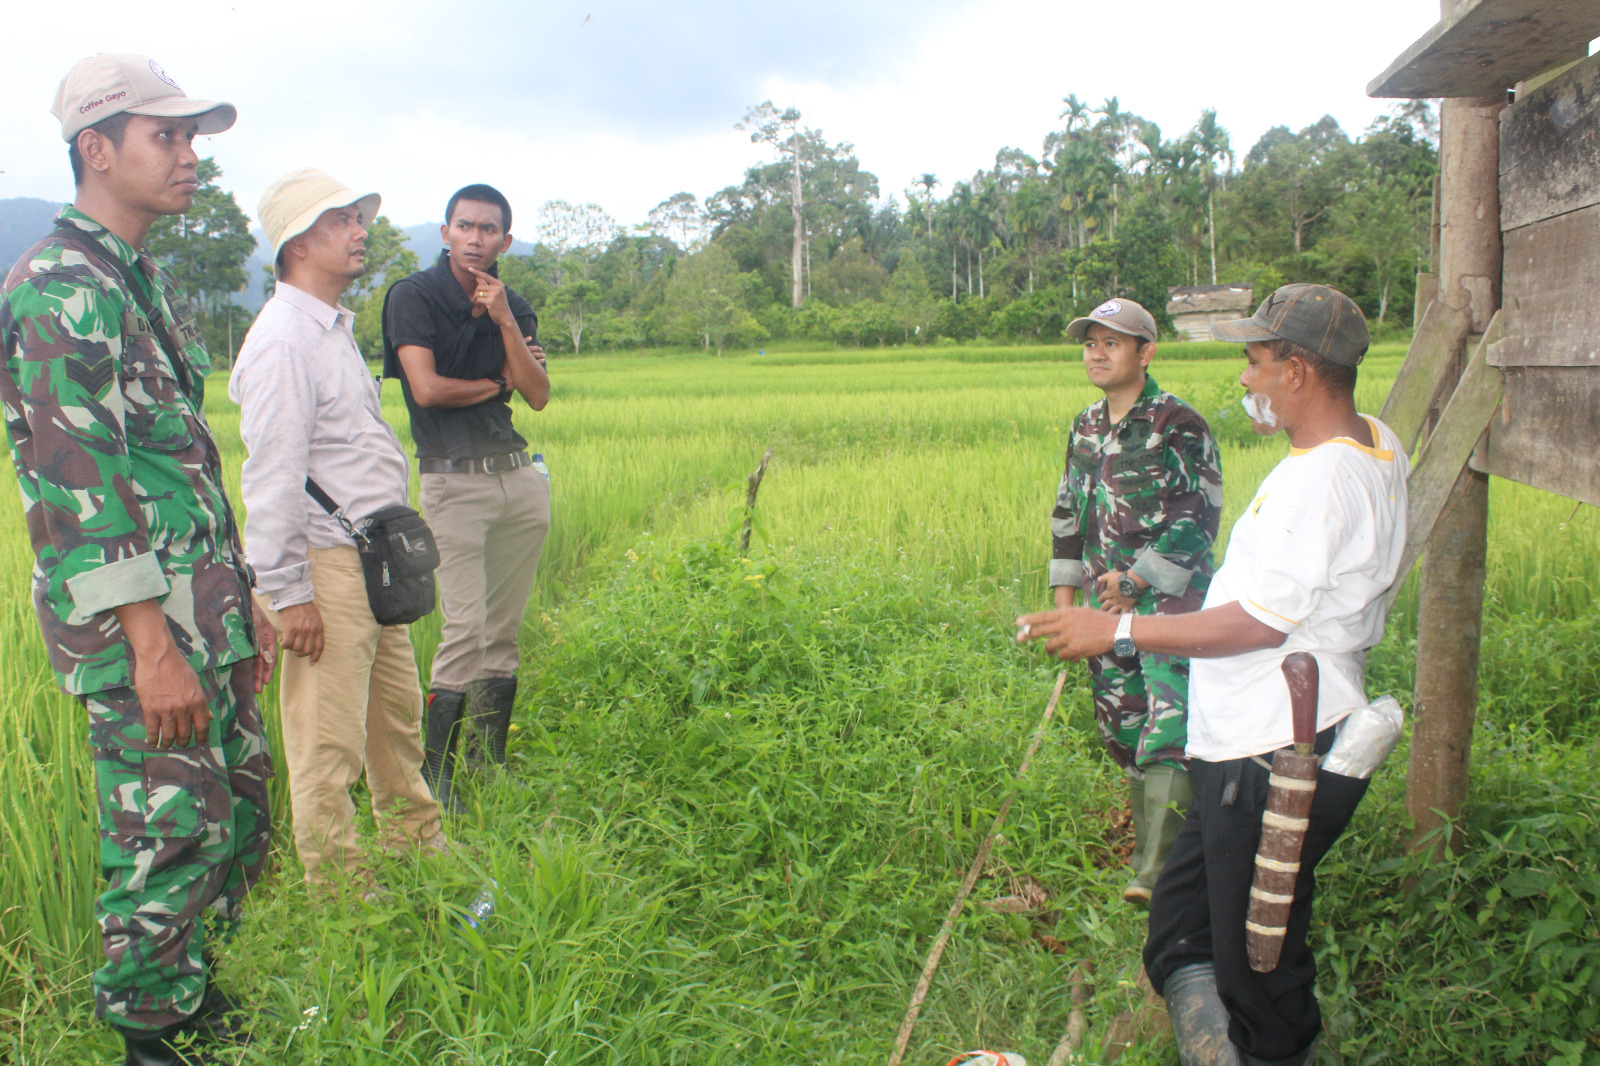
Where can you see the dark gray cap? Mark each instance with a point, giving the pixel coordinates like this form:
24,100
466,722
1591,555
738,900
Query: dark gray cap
1120,314
1317,318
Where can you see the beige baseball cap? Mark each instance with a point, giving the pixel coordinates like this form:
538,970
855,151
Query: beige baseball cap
1120,314
292,204
112,83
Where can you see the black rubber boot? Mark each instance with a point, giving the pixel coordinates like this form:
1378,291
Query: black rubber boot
159,1047
1199,1020
222,1018
442,728
492,701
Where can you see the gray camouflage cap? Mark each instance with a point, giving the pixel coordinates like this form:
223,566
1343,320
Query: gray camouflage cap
1317,318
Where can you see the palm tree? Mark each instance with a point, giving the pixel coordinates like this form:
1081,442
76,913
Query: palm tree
1211,145
1030,210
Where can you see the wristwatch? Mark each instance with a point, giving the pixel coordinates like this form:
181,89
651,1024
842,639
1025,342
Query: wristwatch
505,389
1126,586
1122,643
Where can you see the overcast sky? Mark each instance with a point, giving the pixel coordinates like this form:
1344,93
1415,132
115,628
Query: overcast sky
625,102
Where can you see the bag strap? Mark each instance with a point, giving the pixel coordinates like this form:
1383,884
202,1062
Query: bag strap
330,505
319,494
157,320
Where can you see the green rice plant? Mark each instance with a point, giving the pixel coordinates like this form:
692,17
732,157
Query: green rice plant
745,786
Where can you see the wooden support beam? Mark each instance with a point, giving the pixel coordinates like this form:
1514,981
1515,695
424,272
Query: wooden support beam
1450,587
1465,417
1430,362
1482,47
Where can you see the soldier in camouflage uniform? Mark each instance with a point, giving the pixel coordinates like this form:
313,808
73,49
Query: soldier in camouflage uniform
140,584
1134,520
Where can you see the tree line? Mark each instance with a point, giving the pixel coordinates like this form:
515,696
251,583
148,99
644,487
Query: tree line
808,248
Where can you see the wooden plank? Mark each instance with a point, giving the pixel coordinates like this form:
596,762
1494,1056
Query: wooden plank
1551,292
1429,361
1548,432
1486,46
1465,417
1550,148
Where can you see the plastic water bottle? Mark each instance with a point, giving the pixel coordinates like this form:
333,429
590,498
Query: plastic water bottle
481,907
538,464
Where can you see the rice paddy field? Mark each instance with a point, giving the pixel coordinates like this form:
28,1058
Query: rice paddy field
745,786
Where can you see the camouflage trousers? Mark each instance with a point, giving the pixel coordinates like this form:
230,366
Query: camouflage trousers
184,834
1141,704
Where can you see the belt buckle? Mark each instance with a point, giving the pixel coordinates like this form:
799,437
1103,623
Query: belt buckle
496,464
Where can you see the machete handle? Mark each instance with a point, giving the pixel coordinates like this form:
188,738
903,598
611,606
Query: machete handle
1300,671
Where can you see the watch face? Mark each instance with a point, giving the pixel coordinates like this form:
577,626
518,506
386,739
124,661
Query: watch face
1126,586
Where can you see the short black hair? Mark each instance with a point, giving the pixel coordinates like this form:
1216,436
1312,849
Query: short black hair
1337,376
483,194
112,128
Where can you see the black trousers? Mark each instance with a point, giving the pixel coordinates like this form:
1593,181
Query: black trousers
1197,913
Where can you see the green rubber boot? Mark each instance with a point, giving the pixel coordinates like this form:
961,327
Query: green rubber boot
1141,832
1167,794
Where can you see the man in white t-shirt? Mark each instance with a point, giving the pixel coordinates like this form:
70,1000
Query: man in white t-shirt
1307,568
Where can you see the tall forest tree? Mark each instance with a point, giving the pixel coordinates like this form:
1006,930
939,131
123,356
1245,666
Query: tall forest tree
780,130
205,249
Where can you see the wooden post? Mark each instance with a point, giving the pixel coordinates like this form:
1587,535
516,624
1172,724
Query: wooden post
754,486
1450,604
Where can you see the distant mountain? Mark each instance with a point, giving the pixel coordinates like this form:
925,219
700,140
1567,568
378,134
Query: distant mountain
23,220
426,243
423,239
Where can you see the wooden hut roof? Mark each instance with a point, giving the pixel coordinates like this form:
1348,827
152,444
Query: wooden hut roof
1187,299
1486,46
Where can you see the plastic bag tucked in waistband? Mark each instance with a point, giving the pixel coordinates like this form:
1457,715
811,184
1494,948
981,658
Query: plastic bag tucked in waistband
1366,738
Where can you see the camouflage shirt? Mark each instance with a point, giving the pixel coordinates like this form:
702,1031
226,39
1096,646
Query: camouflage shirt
1143,495
121,482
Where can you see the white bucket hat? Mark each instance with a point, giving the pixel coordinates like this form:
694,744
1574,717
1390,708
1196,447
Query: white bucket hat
292,204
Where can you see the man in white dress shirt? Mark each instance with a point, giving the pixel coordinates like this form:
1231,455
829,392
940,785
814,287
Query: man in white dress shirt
1307,569
350,695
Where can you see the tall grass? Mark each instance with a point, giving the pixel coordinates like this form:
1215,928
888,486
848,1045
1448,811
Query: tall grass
745,785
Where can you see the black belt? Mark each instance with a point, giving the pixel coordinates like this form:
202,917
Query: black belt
489,464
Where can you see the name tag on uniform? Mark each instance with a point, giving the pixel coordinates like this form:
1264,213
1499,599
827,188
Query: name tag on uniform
136,325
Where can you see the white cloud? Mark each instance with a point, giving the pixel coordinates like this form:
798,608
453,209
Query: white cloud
416,98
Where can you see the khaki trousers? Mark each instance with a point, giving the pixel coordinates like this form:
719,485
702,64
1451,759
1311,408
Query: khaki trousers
490,529
359,706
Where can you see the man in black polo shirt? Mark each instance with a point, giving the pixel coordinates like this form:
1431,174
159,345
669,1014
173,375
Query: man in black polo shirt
461,344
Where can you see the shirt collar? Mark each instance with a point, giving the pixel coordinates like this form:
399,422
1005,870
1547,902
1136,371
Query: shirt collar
76,219
324,315
1139,409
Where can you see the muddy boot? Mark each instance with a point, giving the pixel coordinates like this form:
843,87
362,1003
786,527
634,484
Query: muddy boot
492,701
1167,794
442,728
1199,1020
1140,832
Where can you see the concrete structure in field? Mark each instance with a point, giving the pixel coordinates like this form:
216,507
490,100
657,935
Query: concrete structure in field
1503,374
1195,307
